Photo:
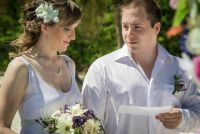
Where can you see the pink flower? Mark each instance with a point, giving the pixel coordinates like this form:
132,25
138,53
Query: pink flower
173,3
196,62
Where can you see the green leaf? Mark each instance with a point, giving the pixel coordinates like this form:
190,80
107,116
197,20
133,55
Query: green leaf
181,12
77,131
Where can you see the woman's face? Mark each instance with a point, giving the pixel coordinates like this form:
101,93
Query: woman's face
59,36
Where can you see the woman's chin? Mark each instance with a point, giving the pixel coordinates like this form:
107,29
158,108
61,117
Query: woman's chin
63,50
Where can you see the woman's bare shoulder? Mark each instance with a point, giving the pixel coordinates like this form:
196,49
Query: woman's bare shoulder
17,67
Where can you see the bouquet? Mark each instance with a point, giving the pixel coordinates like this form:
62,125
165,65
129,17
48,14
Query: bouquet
72,120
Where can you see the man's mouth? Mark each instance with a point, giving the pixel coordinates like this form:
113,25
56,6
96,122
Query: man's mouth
132,43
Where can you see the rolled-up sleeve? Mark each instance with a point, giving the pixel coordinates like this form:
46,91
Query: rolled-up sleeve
190,109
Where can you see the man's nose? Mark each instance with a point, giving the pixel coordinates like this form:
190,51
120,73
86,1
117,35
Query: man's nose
130,32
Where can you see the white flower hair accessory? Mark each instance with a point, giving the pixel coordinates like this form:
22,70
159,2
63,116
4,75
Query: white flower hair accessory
47,12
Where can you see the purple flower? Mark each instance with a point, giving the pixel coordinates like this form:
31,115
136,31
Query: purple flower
182,42
89,114
196,61
78,121
66,107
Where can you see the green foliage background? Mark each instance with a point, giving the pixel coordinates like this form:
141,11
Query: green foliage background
96,35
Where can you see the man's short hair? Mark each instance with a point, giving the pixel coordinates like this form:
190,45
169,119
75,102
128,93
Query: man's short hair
151,7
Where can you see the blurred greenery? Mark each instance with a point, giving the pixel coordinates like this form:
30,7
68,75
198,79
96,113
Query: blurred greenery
172,44
96,35
181,12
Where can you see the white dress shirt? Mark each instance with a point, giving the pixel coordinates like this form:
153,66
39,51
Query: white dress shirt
116,79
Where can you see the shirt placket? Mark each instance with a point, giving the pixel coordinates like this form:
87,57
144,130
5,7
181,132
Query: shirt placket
158,65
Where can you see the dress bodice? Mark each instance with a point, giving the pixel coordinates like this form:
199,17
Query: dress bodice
41,99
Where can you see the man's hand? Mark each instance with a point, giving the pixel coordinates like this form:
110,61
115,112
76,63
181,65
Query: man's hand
171,119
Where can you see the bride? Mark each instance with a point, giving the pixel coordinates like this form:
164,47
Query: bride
39,80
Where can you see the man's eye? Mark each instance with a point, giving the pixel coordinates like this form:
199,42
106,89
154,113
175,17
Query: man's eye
137,27
125,27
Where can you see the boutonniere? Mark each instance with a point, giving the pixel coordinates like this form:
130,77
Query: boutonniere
178,84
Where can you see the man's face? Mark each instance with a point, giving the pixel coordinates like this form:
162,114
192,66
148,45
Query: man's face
137,31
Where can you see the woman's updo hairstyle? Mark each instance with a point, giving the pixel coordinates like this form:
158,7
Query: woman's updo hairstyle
68,13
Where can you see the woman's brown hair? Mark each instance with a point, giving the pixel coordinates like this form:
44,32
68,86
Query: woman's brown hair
69,13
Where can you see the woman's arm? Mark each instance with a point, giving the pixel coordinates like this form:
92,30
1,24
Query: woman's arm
12,90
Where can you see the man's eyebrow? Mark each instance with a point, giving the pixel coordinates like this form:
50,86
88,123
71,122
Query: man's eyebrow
131,24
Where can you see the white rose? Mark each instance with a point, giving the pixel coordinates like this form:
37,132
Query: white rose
193,42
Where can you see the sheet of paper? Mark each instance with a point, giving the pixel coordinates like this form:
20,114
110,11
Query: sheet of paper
137,110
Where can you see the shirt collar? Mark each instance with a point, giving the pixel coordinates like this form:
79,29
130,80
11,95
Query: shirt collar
123,52
162,53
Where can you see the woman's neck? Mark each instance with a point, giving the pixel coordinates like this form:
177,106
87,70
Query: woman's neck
43,51
44,55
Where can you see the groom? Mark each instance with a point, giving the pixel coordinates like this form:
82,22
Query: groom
141,73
